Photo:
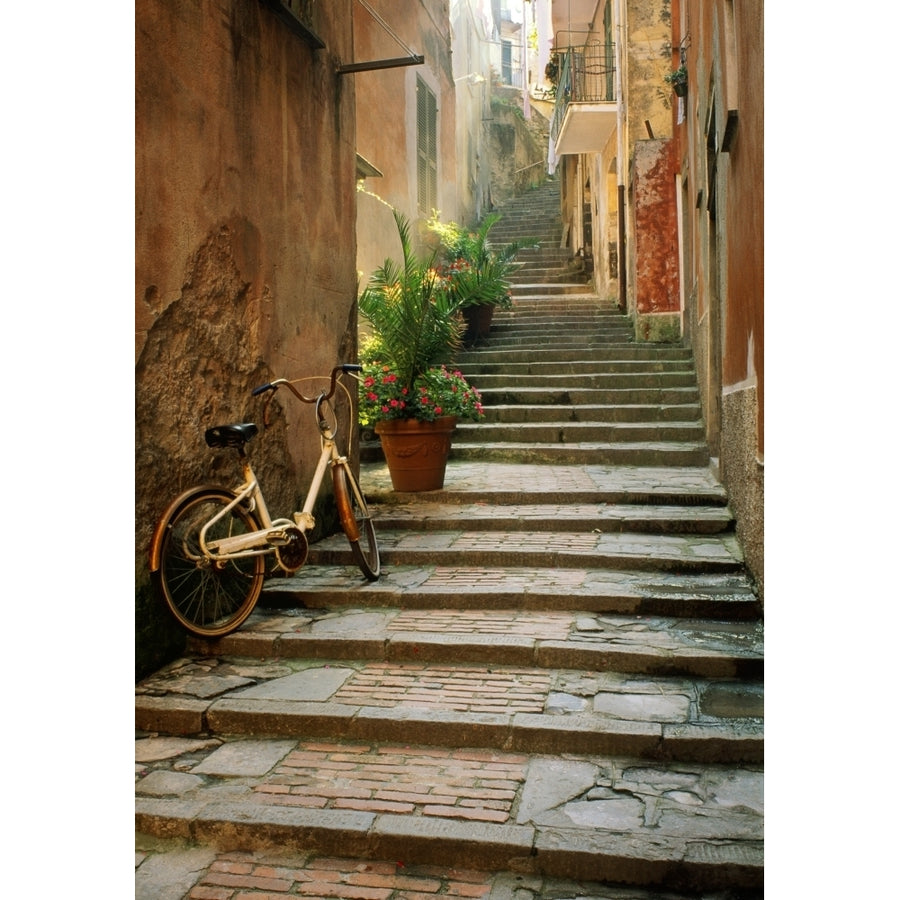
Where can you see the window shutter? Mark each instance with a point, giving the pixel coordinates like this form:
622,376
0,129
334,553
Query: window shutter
426,139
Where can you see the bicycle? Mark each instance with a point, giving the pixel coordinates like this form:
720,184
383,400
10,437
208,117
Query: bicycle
207,552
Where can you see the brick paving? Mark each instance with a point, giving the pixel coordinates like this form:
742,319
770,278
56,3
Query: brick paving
547,626
236,875
458,688
476,786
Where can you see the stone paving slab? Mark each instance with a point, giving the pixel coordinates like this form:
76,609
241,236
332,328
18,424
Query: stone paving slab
546,639
590,483
174,870
636,551
452,703
593,817
718,595
551,516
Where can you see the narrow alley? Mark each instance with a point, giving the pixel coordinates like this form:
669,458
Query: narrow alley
555,689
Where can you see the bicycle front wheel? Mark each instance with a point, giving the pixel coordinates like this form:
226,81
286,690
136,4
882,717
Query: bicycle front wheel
208,598
356,522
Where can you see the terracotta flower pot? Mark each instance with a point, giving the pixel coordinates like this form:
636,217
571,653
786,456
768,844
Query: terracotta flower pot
416,452
478,322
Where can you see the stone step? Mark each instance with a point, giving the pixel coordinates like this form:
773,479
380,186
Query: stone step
595,366
632,551
522,708
548,309
544,639
498,483
614,353
561,331
576,338
545,288
645,453
509,413
587,298
576,397
525,289
663,454
717,597
551,327
578,432
546,518
587,380
694,826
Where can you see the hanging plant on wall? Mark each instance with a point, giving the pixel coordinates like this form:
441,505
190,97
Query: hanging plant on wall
551,70
678,79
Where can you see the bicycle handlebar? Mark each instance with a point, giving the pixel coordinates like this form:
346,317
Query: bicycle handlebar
343,368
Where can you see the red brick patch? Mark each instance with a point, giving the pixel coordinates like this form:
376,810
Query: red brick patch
478,786
334,879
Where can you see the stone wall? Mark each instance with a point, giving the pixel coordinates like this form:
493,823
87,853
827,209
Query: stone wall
245,248
518,147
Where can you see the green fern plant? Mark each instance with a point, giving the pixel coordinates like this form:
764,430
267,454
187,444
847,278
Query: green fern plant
479,271
415,317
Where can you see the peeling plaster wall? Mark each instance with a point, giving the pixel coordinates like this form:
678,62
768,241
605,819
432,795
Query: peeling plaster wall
245,246
655,231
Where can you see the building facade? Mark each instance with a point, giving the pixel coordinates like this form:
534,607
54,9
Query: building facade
245,243
719,139
662,195
405,122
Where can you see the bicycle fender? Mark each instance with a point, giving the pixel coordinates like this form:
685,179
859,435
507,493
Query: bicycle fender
160,529
342,501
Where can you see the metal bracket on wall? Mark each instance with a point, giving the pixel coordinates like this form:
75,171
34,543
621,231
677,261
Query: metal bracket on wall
288,13
413,59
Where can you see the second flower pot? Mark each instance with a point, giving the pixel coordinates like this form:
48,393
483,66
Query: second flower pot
416,452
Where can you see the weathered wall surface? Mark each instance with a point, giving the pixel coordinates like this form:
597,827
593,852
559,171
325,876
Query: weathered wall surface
518,148
386,104
721,148
656,273
244,246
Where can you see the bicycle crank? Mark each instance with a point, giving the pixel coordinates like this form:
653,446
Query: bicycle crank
292,553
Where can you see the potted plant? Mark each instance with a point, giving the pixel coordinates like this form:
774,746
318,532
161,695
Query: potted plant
678,79
407,391
478,272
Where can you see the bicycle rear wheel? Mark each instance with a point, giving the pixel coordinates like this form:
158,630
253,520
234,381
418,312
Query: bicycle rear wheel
356,521
209,599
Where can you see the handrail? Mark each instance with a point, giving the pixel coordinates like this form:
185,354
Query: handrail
586,75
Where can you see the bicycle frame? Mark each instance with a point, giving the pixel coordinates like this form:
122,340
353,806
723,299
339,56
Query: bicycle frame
207,549
273,533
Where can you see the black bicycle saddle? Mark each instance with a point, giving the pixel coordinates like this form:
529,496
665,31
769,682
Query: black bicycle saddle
230,435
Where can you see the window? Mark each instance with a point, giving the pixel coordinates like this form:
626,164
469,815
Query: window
426,147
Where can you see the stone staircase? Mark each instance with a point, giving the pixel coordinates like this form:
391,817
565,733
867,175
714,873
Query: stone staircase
554,690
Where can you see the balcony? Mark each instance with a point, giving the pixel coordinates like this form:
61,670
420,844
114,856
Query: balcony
585,113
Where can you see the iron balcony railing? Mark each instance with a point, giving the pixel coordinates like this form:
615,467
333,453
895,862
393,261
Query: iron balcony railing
586,75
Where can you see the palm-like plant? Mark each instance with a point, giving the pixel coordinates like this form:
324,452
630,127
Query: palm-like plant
414,316
479,270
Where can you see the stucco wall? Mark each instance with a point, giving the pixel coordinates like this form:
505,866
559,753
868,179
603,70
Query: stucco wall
245,246
745,476
722,150
387,116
